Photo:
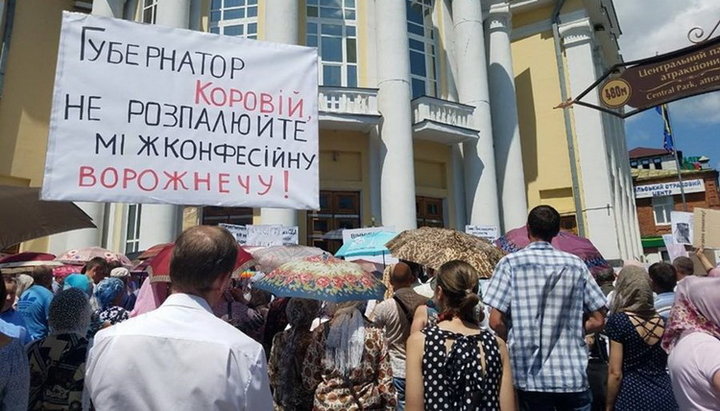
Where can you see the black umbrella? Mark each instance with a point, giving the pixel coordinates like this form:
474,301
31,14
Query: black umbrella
23,216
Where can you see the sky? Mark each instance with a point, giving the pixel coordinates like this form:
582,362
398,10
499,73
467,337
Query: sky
659,26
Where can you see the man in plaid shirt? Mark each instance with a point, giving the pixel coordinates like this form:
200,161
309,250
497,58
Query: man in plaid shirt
545,301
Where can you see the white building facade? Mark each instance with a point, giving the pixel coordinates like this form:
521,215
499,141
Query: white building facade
419,119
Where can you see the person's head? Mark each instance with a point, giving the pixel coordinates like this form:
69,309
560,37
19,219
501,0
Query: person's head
10,284
42,275
662,277
78,281
121,273
96,269
456,290
109,292
301,312
633,293
605,276
683,267
696,308
24,282
70,313
401,276
259,298
202,261
543,223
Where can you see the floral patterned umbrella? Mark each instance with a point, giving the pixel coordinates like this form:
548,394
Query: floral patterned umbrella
517,239
324,278
270,258
83,255
433,247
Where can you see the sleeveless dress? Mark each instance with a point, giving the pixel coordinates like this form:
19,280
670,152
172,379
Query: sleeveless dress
645,384
455,380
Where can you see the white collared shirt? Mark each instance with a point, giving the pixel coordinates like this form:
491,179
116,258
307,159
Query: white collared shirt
177,357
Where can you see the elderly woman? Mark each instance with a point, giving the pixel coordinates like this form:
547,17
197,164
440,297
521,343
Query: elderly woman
347,363
109,293
287,355
57,362
637,376
693,340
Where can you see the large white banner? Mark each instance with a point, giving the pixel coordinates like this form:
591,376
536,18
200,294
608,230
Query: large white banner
150,114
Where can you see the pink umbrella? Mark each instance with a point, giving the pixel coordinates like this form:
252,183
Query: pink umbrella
517,239
26,257
83,255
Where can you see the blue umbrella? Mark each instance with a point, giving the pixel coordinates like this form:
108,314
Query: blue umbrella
369,244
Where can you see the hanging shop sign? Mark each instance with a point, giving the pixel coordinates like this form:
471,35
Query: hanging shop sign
629,88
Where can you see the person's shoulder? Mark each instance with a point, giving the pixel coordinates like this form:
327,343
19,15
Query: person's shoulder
616,319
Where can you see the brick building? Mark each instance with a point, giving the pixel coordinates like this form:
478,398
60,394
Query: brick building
657,193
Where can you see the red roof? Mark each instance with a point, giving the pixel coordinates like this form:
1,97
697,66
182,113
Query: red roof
639,152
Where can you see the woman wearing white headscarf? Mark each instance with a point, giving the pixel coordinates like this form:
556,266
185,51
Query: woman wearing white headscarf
347,363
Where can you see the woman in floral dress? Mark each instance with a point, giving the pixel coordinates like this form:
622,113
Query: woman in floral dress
347,363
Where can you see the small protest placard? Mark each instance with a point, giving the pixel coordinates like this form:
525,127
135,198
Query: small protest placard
488,232
149,114
707,228
351,233
238,231
265,235
682,227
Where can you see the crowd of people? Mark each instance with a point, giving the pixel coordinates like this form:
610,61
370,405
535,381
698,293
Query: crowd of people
546,335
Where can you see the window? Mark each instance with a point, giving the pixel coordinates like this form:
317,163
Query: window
429,212
646,164
657,162
338,210
234,18
227,215
662,206
332,28
132,233
423,48
7,16
149,11
633,164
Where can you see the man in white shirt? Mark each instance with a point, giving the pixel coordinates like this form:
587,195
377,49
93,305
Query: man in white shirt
180,356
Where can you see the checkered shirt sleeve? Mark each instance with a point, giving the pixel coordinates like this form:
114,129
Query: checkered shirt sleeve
499,293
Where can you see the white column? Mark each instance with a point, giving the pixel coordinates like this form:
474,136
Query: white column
281,26
397,176
472,84
629,195
591,146
173,13
160,223
374,175
503,105
108,8
458,185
